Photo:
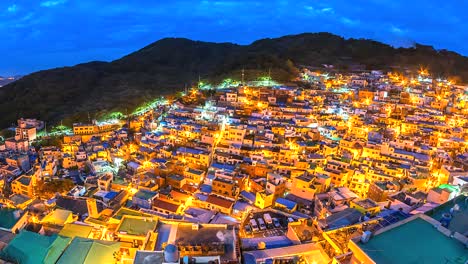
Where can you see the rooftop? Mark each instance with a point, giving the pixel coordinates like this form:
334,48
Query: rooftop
416,241
146,257
145,195
219,201
312,253
459,222
125,211
73,230
206,235
366,203
24,180
88,251
9,217
165,205
137,226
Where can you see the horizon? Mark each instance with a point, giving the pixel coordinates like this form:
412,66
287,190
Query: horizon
216,42
105,30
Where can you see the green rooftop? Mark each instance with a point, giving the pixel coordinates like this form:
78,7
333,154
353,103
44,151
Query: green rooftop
137,226
89,251
451,188
125,211
73,230
415,242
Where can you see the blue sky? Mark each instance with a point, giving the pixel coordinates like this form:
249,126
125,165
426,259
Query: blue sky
43,34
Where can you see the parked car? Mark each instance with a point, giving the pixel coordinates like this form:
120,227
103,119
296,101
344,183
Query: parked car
247,229
261,223
254,225
267,218
276,222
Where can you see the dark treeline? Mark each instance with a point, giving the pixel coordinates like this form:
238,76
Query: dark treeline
168,65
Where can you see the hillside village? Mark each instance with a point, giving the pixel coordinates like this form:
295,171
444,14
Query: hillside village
248,172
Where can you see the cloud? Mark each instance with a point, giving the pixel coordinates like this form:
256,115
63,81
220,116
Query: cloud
349,21
327,10
12,9
397,30
52,3
319,11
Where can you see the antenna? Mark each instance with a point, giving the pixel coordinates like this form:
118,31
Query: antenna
89,118
242,77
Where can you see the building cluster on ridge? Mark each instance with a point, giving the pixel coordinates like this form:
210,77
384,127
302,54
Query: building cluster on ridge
318,172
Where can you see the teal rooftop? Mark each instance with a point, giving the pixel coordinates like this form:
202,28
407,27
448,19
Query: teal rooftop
9,217
415,241
145,195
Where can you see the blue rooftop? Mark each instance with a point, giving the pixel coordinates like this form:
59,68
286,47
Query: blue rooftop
223,166
286,203
190,150
110,195
206,188
248,195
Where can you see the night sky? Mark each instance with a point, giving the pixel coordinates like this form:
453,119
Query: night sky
37,35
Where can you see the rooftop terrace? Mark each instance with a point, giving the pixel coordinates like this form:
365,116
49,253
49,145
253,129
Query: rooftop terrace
416,241
459,221
137,226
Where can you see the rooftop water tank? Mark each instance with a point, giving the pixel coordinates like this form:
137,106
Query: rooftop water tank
445,220
171,254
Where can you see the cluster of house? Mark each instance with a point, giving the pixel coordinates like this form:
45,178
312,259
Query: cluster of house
254,174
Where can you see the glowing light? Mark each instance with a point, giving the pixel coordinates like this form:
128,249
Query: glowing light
118,162
226,83
265,81
149,106
204,86
147,164
133,191
423,72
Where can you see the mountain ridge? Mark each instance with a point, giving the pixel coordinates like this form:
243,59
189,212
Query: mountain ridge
167,65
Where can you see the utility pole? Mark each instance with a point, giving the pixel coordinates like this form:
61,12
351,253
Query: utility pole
198,85
269,75
242,83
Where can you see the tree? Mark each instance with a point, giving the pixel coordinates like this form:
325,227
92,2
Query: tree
48,189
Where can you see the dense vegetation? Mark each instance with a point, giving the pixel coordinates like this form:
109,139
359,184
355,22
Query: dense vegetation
48,189
169,64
